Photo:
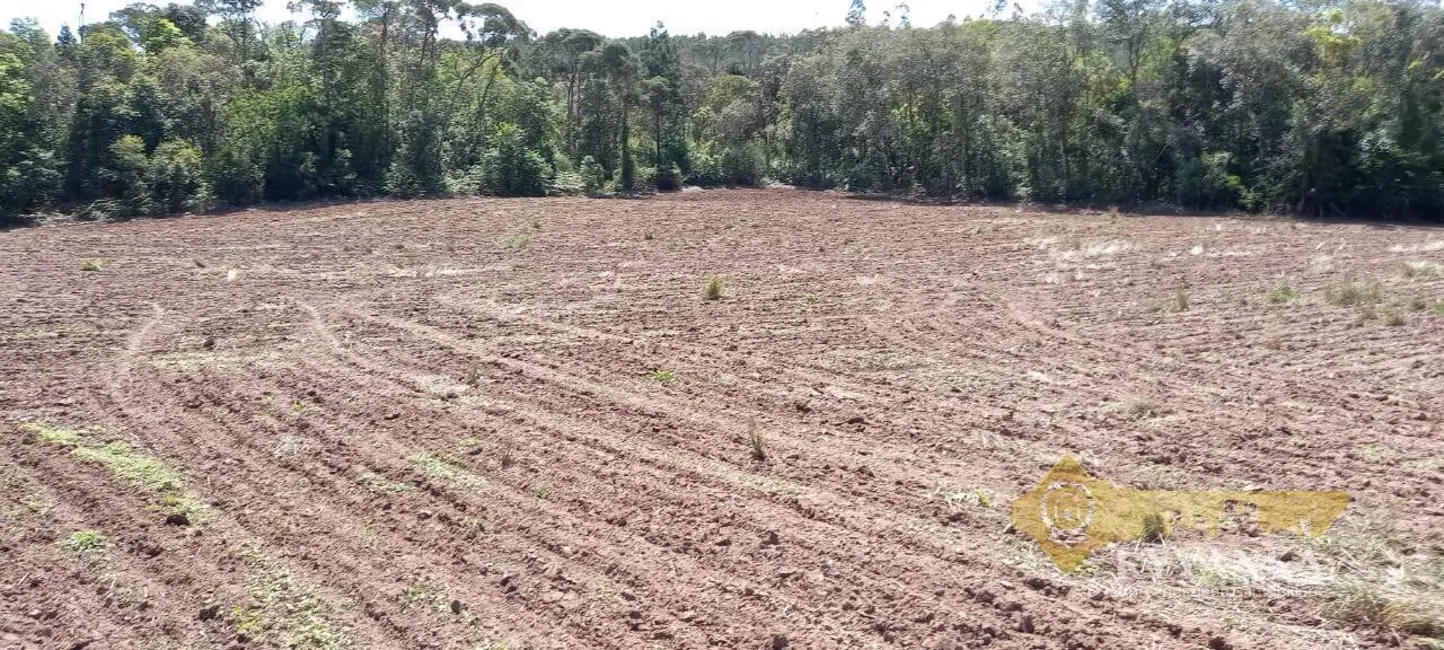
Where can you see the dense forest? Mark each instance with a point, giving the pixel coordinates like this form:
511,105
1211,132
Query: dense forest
1305,107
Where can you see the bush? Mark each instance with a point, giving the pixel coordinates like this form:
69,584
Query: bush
1204,182
511,169
595,178
416,166
507,169
177,180
100,210
238,178
735,164
170,180
704,167
667,178
741,164
128,171
26,185
562,164
566,182
403,181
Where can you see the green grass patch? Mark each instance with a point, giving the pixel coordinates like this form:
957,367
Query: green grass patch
518,241
436,466
283,610
146,473
380,484
84,542
69,437
663,376
1283,294
424,595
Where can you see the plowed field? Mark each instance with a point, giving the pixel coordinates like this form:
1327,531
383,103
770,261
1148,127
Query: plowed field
521,424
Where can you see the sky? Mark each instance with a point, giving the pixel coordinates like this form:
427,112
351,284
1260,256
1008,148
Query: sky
614,18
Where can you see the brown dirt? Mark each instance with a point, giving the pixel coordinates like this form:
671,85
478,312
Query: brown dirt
417,428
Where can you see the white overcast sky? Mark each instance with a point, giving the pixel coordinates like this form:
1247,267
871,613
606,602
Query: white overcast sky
614,18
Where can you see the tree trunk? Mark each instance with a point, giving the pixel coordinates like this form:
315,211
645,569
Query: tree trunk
628,174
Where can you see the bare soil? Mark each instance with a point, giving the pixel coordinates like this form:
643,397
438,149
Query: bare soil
520,424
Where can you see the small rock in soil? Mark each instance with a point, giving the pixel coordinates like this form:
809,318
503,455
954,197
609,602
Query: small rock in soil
178,519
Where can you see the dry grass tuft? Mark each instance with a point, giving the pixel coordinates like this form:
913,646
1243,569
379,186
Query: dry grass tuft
715,286
1143,409
1283,294
1177,303
755,441
1422,270
1354,294
1399,611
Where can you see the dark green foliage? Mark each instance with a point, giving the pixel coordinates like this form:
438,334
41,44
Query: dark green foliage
667,178
416,167
170,180
29,173
595,178
1257,105
509,168
176,177
738,163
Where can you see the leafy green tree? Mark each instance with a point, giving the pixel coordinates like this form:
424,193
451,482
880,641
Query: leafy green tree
662,94
617,63
28,170
857,14
1332,108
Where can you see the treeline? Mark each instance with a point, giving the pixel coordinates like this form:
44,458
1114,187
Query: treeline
1308,107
